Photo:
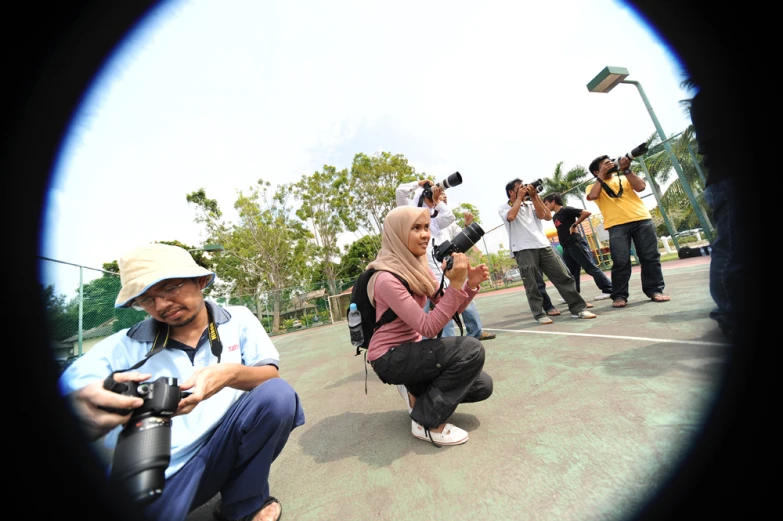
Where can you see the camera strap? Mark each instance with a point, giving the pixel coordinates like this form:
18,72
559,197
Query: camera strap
608,190
162,340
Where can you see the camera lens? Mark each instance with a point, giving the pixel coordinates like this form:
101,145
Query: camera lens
454,179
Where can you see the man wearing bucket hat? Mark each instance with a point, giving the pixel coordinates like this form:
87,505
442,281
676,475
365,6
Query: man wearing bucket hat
228,431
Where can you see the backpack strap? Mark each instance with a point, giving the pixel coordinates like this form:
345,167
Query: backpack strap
389,315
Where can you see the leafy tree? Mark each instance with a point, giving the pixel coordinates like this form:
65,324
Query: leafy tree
371,188
266,250
570,184
324,207
359,254
459,214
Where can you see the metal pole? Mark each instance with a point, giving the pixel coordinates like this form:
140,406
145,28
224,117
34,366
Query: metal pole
676,164
654,188
81,307
697,165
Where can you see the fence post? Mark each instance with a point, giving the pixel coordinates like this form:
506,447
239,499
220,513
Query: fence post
81,307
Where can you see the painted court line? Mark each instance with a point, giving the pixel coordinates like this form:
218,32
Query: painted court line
613,337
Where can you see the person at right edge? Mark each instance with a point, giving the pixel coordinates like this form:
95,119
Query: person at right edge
721,193
626,218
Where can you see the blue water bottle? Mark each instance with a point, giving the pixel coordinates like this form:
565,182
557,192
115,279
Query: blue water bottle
355,325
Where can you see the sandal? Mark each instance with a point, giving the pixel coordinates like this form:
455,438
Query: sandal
619,303
660,297
218,514
451,434
553,312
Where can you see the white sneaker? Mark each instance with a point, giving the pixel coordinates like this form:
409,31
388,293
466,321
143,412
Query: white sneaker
561,301
584,314
451,434
404,392
545,321
603,296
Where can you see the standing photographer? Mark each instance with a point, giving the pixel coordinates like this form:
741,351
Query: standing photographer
576,253
228,431
426,194
522,215
626,218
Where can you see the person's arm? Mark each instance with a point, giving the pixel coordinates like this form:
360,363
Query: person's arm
260,362
584,214
391,292
445,216
403,192
538,205
636,182
594,192
512,213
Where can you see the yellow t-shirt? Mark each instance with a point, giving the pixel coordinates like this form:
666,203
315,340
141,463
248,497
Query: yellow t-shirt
627,208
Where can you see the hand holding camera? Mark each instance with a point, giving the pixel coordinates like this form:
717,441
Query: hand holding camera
456,269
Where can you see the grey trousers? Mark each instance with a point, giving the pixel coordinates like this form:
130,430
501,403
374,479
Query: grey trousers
549,262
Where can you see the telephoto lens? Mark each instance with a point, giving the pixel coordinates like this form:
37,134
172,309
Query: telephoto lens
454,179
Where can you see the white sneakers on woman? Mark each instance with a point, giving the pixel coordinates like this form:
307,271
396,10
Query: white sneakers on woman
451,434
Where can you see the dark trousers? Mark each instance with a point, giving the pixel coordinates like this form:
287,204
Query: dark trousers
726,258
577,257
531,263
441,373
237,458
541,285
646,241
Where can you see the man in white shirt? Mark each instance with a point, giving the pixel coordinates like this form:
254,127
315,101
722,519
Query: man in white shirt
441,216
522,215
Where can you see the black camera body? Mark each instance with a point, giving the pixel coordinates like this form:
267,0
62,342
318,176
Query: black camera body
461,243
538,184
454,179
143,450
633,154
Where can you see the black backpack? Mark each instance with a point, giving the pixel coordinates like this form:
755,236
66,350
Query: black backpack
367,309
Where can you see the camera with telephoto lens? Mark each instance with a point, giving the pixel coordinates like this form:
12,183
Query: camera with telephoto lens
143,450
538,184
633,154
461,243
454,179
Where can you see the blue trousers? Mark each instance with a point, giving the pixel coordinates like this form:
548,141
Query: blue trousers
726,263
236,459
470,319
646,241
577,257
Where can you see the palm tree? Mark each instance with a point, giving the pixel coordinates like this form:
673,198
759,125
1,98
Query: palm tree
568,184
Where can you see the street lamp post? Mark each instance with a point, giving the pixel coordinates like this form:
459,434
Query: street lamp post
608,79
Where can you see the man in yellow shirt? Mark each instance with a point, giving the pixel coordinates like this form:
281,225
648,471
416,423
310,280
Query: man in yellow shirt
626,218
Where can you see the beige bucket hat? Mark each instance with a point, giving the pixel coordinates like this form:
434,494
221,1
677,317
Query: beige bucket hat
147,265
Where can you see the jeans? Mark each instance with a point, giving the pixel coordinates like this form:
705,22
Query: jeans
441,373
531,263
725,264
471,321
646,242
448,329
577,257
236,459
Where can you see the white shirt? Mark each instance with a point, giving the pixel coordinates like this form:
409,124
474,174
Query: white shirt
443,219
525,232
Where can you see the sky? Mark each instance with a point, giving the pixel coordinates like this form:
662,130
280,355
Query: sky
216,94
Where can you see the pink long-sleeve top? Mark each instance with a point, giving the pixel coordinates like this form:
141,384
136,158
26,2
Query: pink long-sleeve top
412,322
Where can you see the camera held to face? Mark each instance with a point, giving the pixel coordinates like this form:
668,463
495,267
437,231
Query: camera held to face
633,154
538,184
454,179
461,243
143,450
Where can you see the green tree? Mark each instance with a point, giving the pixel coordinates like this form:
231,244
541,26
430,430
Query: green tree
358,255
324,207
570,184
266,250
371,189
459,214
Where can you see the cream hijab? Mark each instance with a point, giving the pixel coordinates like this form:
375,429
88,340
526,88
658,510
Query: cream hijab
395,255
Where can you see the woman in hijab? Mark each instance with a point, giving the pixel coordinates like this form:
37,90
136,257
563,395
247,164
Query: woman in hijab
437,374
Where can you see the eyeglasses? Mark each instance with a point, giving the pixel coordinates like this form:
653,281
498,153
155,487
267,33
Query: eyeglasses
147,302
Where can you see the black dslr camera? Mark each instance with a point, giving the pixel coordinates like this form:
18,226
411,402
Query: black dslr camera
463,241
143,449
538,184
633,154
454,179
